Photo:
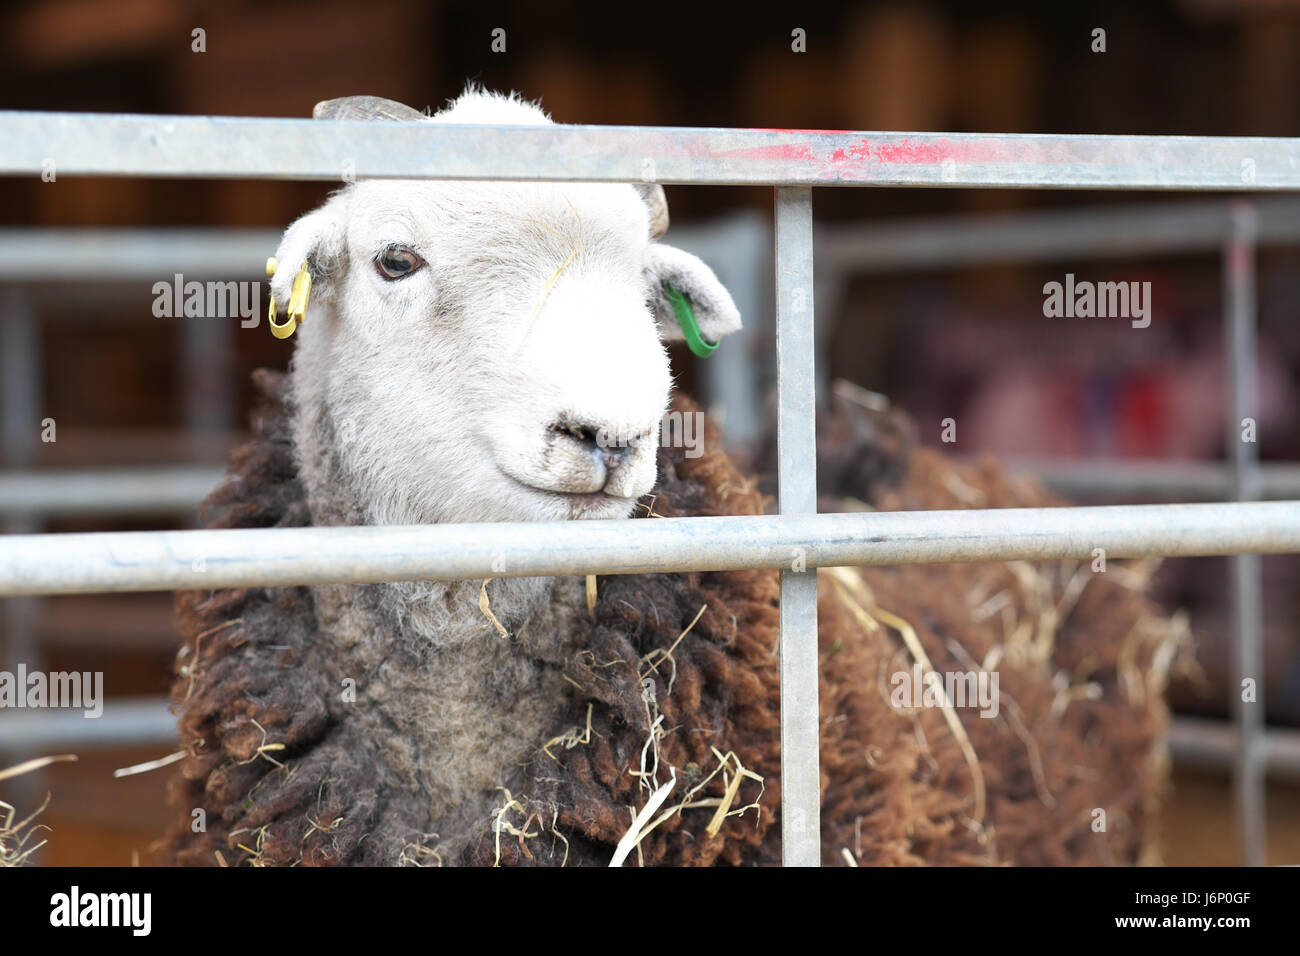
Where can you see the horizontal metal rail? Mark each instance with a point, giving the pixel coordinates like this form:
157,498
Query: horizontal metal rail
1111,231
1213,744
123,255
172,489
1172,480
1091,232
179,560
132,721
105,144
107,491
124,722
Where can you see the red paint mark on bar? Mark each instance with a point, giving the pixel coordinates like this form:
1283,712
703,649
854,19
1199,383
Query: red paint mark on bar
858,151
777,151
850,156
908,152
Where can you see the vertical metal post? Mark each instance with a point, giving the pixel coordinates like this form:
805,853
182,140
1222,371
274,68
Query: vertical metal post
206,353
797,477
21,388
1241,352
20,421
740,253
207,358
831,287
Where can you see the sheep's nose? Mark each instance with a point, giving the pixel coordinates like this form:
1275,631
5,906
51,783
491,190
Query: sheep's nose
603,446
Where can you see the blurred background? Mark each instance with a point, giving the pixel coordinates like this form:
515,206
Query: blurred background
941,335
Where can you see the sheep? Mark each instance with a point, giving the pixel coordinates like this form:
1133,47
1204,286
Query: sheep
468,351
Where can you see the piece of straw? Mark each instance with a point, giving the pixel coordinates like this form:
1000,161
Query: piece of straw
843,578
36,763
485,606
634,833
150,764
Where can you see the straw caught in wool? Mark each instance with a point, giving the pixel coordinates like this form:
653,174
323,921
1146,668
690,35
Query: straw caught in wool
14,836
890,796
853,590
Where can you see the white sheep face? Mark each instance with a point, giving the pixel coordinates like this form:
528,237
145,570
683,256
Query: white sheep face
516,371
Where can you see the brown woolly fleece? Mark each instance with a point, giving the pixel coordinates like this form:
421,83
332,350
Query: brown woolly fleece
289,768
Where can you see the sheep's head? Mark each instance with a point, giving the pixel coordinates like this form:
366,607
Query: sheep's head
488,351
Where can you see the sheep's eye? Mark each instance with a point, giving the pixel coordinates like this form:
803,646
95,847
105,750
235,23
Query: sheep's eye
398,262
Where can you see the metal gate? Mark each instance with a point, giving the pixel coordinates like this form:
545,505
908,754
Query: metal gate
793,162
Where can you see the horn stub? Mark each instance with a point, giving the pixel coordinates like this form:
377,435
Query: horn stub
657,203
365,108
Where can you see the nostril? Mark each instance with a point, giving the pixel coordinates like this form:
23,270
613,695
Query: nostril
608,447
586,435
614,456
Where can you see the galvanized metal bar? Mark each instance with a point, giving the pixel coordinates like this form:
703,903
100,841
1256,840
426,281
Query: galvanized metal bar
21,389
1094,232
1203,743
1150,228
107,562
206,354
1246,589
797,490
123,722
105,144
174,489
1170,480
738,248
20,378
1195,742
111,491
123,255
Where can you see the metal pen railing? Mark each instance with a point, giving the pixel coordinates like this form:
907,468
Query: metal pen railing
793,161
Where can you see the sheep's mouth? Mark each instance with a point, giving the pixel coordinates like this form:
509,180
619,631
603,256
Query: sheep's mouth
578,503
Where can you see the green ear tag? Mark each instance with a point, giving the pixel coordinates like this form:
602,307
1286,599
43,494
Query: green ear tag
690,328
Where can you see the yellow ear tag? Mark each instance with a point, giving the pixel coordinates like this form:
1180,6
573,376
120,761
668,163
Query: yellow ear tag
297,302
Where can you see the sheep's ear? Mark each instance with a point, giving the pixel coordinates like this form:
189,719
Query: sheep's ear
668,267
316,239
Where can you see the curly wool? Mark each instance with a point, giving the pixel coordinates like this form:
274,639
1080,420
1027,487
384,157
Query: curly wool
288,770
